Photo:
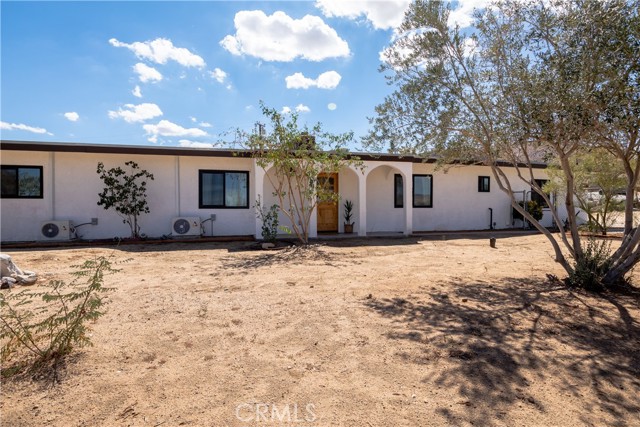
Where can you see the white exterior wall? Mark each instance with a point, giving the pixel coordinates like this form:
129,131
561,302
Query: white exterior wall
381,215
458,205
348,189
71,186
229,222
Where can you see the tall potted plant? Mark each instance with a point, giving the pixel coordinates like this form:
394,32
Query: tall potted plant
348,214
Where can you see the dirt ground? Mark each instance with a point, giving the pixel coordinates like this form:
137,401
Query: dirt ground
378,332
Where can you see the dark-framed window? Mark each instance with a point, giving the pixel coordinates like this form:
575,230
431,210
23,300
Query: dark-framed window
484,184
21,182
398,191
537,197
422,191
223,189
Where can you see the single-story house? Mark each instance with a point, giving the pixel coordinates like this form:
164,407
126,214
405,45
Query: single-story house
212,192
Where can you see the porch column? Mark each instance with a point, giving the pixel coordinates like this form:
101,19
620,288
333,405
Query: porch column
258,184
313,224
362,203
407,175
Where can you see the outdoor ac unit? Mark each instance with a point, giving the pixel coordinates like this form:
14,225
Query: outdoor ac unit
186,226
56,230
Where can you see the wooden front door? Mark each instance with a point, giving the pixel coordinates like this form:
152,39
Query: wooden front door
328,211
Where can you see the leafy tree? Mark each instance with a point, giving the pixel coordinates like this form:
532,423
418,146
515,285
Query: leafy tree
297,156
126,192
598,178
531,82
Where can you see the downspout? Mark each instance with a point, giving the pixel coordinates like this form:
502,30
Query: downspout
52,157
490,218
177,172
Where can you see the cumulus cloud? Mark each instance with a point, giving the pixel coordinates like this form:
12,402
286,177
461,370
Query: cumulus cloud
160,51
463,14
72,116
327,80
300,108
219,75
20,126
383,15
332,106
195,144
279,37
205,125
136,92
167,128
136,113
146,73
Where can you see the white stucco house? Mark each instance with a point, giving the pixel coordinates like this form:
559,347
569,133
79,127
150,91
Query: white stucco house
56,183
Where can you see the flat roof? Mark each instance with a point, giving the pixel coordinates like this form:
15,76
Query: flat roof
75,147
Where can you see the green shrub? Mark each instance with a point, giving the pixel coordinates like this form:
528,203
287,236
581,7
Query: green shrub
270,221
41,328
592,266
534,209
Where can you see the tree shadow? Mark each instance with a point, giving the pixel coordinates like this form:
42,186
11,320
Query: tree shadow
489,342
292,255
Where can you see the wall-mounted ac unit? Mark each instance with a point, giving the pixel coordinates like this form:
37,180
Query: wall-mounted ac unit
56,230
186,226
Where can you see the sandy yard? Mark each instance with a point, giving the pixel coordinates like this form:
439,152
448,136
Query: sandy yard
378,332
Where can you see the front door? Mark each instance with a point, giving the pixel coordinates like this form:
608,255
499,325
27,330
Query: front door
328,211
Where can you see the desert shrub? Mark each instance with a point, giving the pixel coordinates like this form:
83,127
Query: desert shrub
534,209
270,221
589,269
41,328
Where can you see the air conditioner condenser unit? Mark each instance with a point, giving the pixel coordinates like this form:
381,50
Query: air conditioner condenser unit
186,226
56,230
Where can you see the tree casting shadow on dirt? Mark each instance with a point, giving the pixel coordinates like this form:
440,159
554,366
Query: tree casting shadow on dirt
490,341
292,255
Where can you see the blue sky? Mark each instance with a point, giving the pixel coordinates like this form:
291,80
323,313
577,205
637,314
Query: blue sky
190,73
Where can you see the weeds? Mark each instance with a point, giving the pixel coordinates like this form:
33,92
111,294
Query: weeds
44,327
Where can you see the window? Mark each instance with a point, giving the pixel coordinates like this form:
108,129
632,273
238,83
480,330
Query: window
22,182
484,184
224,189
422,191
537,197
398,192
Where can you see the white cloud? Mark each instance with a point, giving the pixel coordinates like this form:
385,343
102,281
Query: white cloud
279,37
219,75
387,14
463,14
205,125
195,144
167,128
332,106
327,80
146,73
136,92
72,116
20,126
300,108
299,81
136,113
160,51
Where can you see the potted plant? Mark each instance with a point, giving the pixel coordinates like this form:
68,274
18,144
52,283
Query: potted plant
348,214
